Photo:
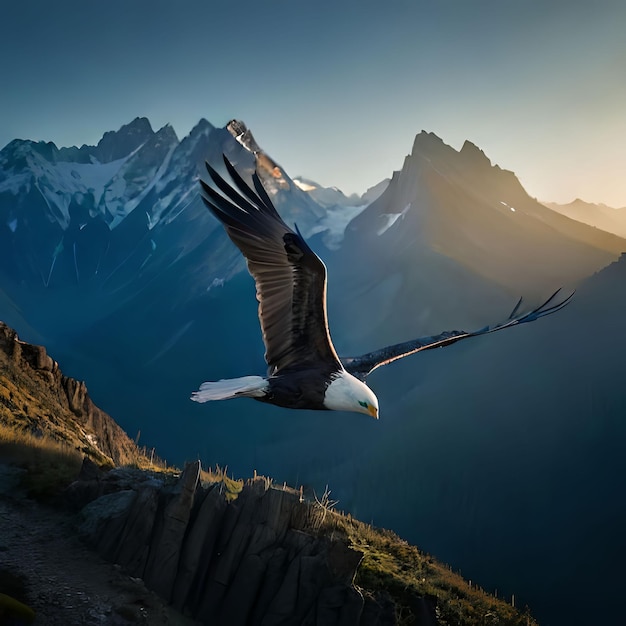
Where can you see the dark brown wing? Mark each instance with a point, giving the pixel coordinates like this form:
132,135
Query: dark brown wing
363,365
290,278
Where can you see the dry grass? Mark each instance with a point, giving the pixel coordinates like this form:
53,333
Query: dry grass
147,460
232,487
391,565
50,465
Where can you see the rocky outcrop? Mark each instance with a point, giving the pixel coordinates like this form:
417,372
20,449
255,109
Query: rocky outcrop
63,408
252,560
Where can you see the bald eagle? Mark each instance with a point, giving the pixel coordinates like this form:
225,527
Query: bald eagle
304,371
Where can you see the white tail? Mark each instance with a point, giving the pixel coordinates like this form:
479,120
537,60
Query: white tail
244,387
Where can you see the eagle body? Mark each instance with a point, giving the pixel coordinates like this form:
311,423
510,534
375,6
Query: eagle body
300,388
297,388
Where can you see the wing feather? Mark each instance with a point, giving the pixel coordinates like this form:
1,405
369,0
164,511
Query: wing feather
364,365
290,278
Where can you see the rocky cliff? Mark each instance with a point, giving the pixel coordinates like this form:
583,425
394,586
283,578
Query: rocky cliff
267,556
252,560
36,397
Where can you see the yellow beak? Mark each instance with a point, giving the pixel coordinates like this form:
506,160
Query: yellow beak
373,411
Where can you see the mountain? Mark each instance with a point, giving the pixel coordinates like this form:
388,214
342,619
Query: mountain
161,302
454,238
596,215
101,216
466,209
340,209
80,216
330,197
326,196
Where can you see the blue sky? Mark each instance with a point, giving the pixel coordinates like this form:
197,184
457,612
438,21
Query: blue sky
336,90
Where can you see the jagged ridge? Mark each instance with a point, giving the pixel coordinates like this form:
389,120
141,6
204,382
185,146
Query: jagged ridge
35,396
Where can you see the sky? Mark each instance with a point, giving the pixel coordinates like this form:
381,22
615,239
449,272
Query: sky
336,90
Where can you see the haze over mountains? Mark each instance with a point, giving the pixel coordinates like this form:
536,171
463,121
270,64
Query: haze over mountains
598,215
498,455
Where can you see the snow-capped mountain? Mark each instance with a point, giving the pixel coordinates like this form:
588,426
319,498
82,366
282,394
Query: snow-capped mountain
326,196
93,177
71,215
125,215
130,205
340,209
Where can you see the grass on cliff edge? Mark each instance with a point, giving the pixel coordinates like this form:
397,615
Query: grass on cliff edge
232,487
391,565
50,465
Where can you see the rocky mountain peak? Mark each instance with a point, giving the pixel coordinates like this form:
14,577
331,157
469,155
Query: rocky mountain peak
16,154
426,142
203,127
167,133
118,144
472,153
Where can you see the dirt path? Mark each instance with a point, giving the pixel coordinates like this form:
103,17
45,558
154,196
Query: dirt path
45,565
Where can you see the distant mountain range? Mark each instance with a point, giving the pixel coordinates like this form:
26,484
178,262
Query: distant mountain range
597,215
103,214
108,257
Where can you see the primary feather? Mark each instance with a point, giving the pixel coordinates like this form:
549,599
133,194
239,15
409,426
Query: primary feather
290,278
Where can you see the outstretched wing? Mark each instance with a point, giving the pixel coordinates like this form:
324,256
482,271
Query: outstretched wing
364,365
290,278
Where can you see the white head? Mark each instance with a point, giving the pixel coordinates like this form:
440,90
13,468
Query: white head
347,393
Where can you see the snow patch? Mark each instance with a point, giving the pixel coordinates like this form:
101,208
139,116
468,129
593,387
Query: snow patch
14,184
59,182
86,177
303,186
165,203
151,222
334,223
390,219
125,207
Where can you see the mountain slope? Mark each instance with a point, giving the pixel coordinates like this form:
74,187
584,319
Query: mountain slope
596,215
453,242
36,398
459,205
